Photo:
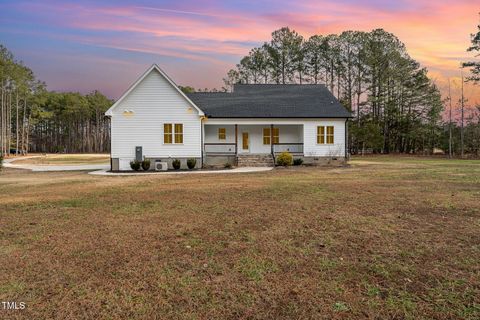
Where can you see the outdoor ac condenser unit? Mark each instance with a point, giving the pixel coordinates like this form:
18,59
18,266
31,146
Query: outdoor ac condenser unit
161,166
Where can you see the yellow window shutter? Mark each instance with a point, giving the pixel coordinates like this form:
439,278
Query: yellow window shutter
276,135
167,133
266,135
321,135
178,133
330,131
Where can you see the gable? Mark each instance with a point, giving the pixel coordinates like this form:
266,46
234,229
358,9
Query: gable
154,89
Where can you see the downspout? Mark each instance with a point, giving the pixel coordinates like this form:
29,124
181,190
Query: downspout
236,145
201,139
346,140
110,129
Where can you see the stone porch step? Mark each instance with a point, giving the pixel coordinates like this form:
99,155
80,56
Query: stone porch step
255,160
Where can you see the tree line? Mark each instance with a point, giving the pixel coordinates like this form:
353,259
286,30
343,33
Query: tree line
36,120
17,86
396,107
469,131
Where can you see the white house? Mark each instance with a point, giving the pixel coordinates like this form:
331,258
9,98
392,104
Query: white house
154,119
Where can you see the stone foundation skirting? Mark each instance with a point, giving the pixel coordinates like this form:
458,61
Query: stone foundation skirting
220,161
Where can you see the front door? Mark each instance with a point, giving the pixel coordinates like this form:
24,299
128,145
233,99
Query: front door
245,142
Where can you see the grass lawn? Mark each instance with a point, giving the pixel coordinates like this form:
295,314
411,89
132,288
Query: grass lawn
66,159
387,238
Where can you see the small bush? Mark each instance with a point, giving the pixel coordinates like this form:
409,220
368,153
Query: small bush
1,162
227,165
176,164
191,163
297,161
285,159
146,164
135,165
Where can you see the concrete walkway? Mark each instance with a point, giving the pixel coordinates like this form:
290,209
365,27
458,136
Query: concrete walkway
102,169
8,163
236,170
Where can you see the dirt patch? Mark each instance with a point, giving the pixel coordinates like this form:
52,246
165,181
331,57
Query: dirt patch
65,159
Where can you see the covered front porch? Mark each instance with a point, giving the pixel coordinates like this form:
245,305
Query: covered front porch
254,139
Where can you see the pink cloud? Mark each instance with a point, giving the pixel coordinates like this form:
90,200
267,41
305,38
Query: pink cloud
436,33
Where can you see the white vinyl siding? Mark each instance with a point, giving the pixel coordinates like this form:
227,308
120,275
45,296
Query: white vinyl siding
211,133
312,148
154,102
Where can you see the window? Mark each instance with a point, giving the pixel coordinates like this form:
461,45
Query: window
178,133
266,135
325,135
222,134
169,136
330,135
276,135
167,133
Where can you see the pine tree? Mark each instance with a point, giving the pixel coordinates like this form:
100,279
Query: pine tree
474,65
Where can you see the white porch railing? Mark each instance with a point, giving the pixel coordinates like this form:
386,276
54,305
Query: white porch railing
229,148
219,148
289,147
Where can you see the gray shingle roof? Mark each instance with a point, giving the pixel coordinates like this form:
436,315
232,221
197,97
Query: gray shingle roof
271,101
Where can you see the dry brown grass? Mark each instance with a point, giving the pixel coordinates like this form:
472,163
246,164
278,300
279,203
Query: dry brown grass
394,238
66,159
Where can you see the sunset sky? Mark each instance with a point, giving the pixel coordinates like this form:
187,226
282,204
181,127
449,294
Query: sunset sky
106,45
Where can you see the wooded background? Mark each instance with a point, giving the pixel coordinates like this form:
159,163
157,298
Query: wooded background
36,120
396,107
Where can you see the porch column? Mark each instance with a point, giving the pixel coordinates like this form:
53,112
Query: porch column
271,139
303,139
202,141
236,139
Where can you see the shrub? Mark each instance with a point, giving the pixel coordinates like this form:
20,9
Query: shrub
135,165
191,163
285,159
297,161
1,162
146,164
227,165
176,164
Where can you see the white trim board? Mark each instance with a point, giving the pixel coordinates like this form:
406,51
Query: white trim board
265,121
